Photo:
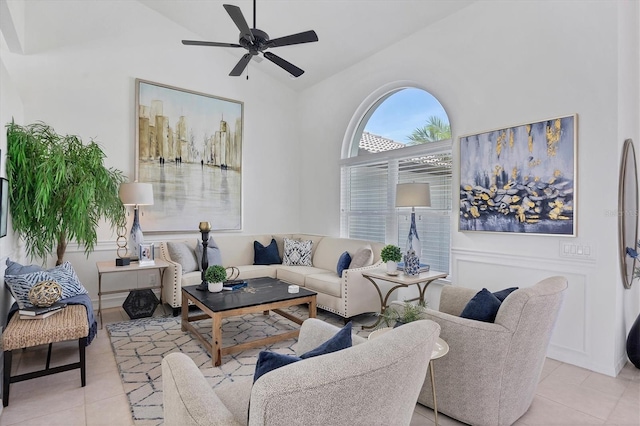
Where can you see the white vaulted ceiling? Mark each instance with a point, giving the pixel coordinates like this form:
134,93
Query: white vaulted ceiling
348,30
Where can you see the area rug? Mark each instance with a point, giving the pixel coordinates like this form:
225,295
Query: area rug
139,346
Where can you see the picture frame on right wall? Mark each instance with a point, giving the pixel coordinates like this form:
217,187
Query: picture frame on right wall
520,179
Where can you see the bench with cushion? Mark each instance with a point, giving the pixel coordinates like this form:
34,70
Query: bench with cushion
69,324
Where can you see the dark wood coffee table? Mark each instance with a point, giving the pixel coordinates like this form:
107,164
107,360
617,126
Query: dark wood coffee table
260,295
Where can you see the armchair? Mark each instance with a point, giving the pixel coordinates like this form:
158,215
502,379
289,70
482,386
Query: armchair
490,375
373,382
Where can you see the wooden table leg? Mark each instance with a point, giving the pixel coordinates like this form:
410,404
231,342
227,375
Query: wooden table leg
184,311
100,299
312,308
216,345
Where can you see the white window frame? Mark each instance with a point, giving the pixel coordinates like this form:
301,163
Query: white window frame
392,158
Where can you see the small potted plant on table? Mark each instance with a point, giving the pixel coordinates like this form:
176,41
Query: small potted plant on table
391,255
215,276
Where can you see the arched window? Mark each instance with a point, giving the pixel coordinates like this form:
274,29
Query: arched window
401,136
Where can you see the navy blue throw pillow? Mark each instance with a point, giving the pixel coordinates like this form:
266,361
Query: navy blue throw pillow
341,340
266,255
268,361
502,294
482,307
343,263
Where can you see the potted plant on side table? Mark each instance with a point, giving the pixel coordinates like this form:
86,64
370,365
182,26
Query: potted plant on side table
391,255
215,276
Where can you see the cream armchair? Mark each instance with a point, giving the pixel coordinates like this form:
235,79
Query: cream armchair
373,382
490,375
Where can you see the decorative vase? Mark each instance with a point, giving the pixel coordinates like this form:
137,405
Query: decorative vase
411,258
136,236
633,343
411,263
392,267
215,287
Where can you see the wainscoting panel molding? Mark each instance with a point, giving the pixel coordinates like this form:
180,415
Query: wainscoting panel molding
495,271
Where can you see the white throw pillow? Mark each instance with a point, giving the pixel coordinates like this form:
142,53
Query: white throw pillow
363,257
297,253
213,253
183,254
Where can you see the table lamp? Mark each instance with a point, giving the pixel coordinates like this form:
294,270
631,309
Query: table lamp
136,194
412,195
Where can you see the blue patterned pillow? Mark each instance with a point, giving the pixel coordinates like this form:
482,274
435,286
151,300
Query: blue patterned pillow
297,253
62,274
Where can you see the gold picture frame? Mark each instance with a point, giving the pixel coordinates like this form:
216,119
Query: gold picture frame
188,145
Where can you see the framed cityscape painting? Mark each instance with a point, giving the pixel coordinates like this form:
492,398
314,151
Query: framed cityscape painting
520,179
189,147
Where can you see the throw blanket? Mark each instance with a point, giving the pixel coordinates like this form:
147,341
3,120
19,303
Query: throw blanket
80,299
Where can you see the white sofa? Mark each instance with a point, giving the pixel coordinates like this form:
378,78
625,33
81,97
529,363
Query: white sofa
346,296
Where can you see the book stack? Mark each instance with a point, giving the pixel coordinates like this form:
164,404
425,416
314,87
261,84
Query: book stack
35,312
233,284
423,267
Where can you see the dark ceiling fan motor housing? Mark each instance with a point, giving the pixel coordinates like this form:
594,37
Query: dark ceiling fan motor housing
259,43
256,41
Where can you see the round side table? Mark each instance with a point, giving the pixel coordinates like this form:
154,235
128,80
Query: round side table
440,349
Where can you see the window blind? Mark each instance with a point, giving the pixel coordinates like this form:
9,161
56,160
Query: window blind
368,201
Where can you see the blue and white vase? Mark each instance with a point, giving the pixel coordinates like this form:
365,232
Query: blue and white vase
411,259
411,263
136,236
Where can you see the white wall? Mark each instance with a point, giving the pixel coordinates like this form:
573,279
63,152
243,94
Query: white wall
10,107
628,301
492,65
87,87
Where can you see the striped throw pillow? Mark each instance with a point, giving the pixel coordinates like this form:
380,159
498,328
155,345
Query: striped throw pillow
62,274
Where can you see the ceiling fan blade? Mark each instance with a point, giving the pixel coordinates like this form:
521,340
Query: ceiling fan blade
208,43
238,18
241,65
304,37
287,66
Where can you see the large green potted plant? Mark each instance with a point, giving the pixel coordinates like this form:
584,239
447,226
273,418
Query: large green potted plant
409,312
59,189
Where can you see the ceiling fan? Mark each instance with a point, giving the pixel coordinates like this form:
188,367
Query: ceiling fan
256,41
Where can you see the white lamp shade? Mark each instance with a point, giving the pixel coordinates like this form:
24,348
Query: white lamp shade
413,195
136,194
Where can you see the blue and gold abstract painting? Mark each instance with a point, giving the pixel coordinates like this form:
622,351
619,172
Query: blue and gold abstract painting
520,179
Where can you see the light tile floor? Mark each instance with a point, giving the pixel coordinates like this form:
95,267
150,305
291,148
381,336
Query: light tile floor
567,395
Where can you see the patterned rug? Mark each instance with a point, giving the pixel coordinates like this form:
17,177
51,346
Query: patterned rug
139,346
